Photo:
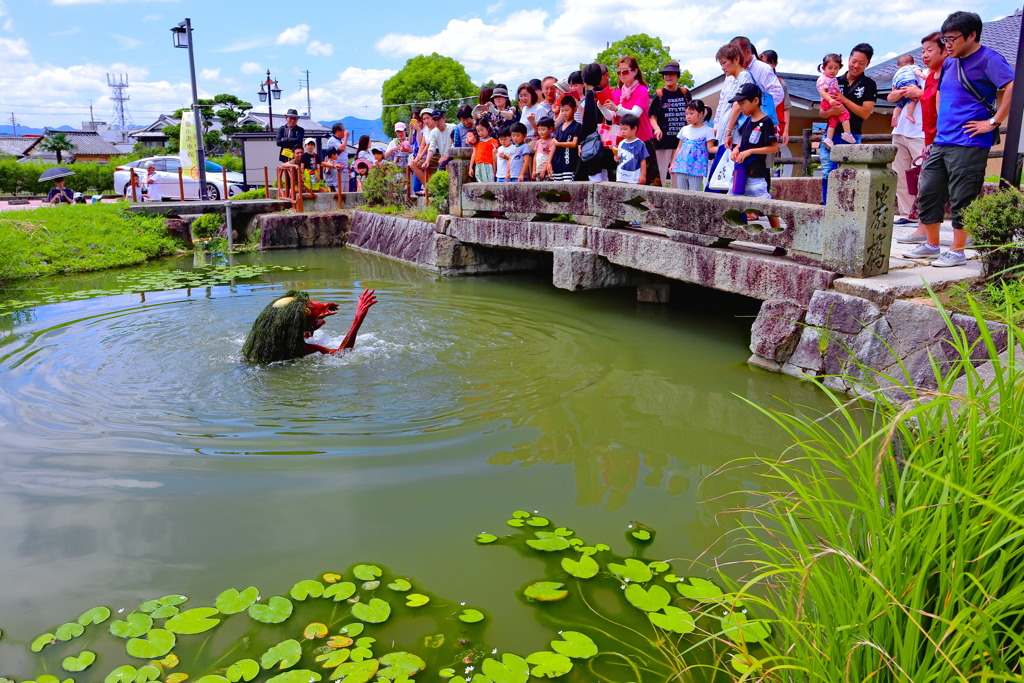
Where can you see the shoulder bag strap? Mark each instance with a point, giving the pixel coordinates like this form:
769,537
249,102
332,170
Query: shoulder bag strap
969,87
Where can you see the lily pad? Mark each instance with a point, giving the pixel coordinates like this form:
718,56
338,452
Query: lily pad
331,577
275,611
96,615
340,591
515,523
375,611
485,538
213,678
400,664
283,655
243,670
147,673
314,630
80,663
122,674
602,547
744,663
659,566
339,641
549,664
546,591
433,641
191,621
416,600
511,669
538,521
164,611
233,601
700,590
642,535
45,678
649,600
400,585
471,616
575,644
370,585
176,678
737,626
356,672
353,629
633,570
172,599
132,626
367,572
585,568
521,514
671,578
446,673
673,619
156,643
170,661
297,676
307,589
548,542
329,660
70,630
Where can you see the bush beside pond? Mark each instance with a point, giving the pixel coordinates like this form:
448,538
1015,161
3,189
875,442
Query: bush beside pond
78,239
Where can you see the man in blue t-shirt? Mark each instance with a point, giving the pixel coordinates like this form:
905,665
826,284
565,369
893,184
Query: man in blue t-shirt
955,170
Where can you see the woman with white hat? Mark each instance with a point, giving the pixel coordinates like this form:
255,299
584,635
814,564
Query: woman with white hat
499,111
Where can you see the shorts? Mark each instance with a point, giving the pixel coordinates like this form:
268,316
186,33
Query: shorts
757,187
510,180
952,173
484,173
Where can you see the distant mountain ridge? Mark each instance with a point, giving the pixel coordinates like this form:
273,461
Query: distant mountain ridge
28,130
356,127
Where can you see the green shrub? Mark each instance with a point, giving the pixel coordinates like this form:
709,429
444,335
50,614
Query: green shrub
258,193
996,222
385,186
229,161
437,188
207,225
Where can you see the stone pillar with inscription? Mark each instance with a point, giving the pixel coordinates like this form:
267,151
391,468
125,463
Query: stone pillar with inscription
458,172
857,227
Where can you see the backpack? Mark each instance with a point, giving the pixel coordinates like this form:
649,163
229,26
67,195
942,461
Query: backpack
591,147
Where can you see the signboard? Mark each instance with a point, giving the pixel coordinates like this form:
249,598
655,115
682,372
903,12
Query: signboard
188,148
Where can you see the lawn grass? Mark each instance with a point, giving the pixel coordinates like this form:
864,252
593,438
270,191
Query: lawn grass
77,239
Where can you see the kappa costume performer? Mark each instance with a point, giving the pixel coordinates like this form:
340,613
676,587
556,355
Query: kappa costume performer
282,328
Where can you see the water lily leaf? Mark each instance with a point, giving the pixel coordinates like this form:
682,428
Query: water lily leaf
339,641
585,568
340,591
172,599
331,577
70,630
213,678
659,567
42,641
673,619
575,644
744,663
315,630
602,548
485,538
283,655
147,673
578,544
511,669
164,611
416,600
515,523
233,601
156,643
132,626
549,664
564,531
400,585
548,542
538,521
374,612
356,672
370,585
367,572
366,641
170,661
738,627
195,620
634,570
650,600
307,589
45,678
433,641
297,676
96,615
546,591
671,578
400,664
361,653
333,659
275,611
446,673
122,674
352,629
80,663
521,514
148,606
176,678
642,535
471,616
699,589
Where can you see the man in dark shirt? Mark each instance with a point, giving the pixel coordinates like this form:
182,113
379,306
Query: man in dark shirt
858,93
668,116
289,136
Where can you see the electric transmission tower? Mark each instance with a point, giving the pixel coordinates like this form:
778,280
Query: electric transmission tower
120,96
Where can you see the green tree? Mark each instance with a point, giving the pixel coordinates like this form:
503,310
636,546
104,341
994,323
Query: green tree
57,143
231,109
425,80
650,54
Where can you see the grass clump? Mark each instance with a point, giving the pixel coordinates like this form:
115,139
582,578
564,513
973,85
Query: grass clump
78,239
889,544
258,193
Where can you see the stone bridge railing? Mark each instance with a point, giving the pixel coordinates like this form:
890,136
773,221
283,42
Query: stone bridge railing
850,235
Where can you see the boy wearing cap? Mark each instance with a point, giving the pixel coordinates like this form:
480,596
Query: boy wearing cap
330,166
400,148
668,116
756,141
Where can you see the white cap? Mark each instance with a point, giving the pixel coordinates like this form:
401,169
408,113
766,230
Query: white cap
400,126
309,141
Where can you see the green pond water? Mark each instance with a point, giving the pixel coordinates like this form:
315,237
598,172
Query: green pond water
140,457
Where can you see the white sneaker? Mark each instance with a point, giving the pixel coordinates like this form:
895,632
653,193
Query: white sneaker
949,259
848,137
923,251
828,142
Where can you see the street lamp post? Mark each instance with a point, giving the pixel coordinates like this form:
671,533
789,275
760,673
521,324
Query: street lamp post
183,38
269,91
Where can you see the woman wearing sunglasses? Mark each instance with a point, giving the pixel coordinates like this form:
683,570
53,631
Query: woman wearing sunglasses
632,96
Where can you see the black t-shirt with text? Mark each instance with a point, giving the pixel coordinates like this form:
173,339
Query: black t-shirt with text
754,134
862,90
670,111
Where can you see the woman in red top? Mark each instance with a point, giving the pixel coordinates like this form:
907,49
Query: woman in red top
932,54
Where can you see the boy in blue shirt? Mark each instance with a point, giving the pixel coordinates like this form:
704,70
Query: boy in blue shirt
955,169
631,154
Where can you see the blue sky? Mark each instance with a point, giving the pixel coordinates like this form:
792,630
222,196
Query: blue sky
55,54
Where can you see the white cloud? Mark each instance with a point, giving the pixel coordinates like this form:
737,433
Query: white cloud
320,49
210,74
355,92
250,68
126,42
296,35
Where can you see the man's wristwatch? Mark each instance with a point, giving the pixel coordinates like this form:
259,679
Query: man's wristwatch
992,122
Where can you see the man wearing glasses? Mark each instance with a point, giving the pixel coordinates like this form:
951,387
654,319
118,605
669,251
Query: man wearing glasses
955,169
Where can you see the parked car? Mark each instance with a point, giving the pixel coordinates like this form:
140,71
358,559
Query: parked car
167,177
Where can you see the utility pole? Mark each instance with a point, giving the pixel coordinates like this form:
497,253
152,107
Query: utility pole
309,107
14,125
1010,169
92,119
